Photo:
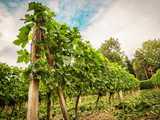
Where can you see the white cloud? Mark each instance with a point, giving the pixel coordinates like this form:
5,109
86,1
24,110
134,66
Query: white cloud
132,21
9,24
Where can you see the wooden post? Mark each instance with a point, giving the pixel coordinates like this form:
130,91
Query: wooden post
49,101
33,94
76,105
62,103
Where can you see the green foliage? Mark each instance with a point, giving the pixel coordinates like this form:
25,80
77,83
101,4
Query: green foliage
129,66
153,82
120,79
144,106
111,49
76,64
146,84
23,56
156,79
13,92
12,84
39,8
65,60
22,38
147,59
151,52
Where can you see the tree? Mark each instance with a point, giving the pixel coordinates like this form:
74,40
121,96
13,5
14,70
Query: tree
111,49
129,66
139,66
147,59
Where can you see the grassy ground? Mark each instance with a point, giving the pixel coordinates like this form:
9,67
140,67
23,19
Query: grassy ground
145,106
88,109
142,106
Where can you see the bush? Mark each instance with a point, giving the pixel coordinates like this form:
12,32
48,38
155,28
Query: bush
146,106
153,82
146,84
156,79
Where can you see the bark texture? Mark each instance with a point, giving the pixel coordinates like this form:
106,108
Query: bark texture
33,94
62,103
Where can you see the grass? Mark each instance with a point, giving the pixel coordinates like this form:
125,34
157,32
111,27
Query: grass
142,106
146,106
88,108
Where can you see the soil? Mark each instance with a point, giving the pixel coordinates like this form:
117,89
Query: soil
98,116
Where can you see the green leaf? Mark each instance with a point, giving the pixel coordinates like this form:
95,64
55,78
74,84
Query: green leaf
23,56
36,6
22,39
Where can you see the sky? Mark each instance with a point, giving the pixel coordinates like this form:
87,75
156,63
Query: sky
131,21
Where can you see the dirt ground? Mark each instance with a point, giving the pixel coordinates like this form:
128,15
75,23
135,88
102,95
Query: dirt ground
98,116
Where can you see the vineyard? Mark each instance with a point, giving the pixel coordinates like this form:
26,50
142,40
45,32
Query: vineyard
66,78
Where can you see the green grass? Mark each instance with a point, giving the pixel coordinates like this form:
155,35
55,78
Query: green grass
144,106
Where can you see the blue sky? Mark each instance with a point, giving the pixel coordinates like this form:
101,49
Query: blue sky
131,21
77,13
